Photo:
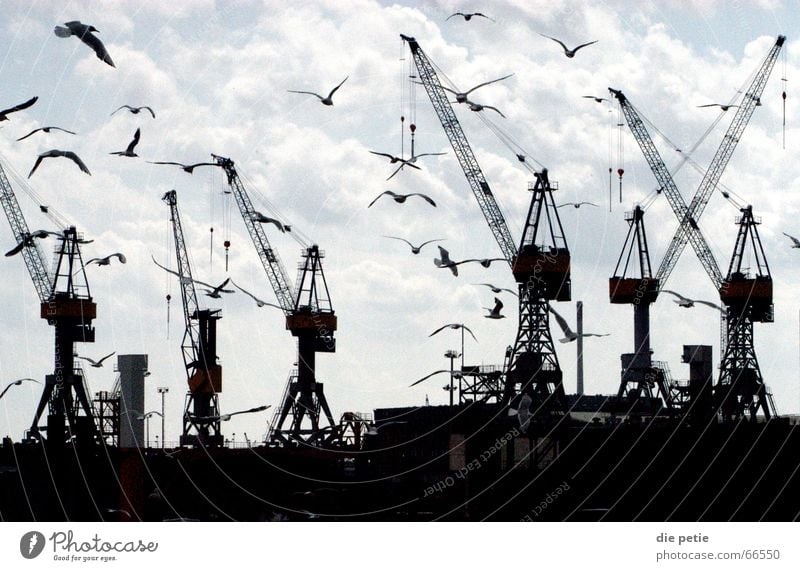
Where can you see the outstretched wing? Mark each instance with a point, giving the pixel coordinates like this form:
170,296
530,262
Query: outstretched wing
337,87
584,45
426,198
489,82
306,93
676,294
97,45
426,377
135,141
21,106
389,192
36,165
559,42
562,323
77,160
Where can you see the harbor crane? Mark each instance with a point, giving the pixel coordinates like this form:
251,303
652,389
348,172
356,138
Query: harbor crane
540,265
304,415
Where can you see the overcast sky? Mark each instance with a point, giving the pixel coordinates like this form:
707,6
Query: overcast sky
217,76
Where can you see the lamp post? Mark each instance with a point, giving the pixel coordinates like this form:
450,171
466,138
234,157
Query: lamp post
162,391
453,355
146,418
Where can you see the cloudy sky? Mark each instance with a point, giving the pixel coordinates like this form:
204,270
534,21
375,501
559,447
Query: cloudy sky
217,75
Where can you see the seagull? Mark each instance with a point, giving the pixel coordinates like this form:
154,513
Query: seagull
568,52
259,302
27,240
84,34
496,289
686,302
415,249
216,291
56,153
412,159
135,110
16,384
576,204
462,97
258,217
478,107
494,313
20,107
46,130
401,198
468,17
445,261
456,375
485,262
394,160
186,168
324,100
569,334
597,99
94,363
795,241
723,107
455,326
132,145
523,411
107,260
173,272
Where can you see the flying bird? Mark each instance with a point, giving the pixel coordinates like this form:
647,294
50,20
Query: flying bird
259,302
496,289
477,107
439,372
723,107
20,107
56,153
795,241
258,217
568,52
576,204
132,145
394,160
445,261
174,273
523,411
597,99
411,160
107,260
27,240
415,249
186,168
485,262
135,110
324,100
455,326
401,198
94,363
468,16
217,290
46,130
686,302
494,313
462,96
84,34
569,334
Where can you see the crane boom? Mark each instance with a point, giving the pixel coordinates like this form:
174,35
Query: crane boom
463,151
741,119
273,266
33,256
667,185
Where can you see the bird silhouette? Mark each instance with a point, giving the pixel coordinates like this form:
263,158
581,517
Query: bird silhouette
215,291
46,130
259,302
485,262
496,289
84,34
415,249
463,96
795,241
445,261
721,106
394,160
576,204
570,53
597,99
324,100
185,168
106,261
478,107
57,153
135,110
686,302
494,312
28,240
4,113
411,160
401,198
455,326
456,375
174,273
569,334
94,363
131,146
258,217
468,16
